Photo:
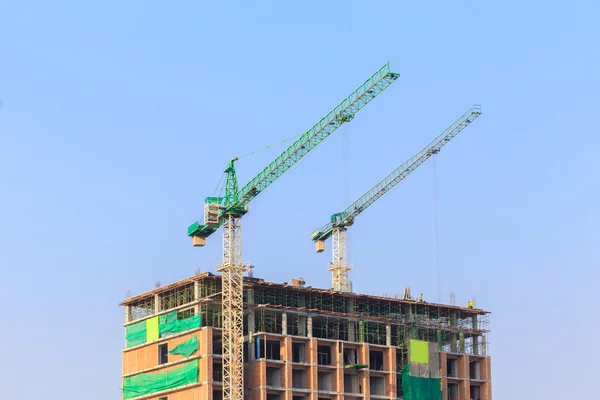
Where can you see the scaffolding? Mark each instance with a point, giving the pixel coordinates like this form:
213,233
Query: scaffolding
335,316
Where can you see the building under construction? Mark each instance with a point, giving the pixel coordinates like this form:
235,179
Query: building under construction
230,337
303,343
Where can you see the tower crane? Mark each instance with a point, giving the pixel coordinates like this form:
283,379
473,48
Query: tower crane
336,228
227,211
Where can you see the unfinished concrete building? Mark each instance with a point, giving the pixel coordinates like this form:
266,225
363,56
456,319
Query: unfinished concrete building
302,343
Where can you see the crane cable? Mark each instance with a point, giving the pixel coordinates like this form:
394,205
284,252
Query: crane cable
346,173
272,145
219,189
437,228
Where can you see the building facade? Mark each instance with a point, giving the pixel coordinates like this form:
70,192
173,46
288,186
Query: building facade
302,343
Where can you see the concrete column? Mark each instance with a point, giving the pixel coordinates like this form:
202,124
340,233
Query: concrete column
251,322
453,344
476,338
309,326
312,369
463,374
364,375
284,323
351,331
483,345
351,327
197,297
388,335
156,304
196,290
286,357
127,314
302,325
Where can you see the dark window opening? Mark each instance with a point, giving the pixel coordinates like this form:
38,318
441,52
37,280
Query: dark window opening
474,370
298,352
376,360
400,360
163,353
452,391
452,368
274,376
377,385
217,372
298,379
324,381
324,355
350,356
271,350
475,392
351,383
217,343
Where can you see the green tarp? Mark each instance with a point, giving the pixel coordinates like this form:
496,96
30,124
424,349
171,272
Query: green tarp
168,323
155,327
416,388
135,334
144,384
186,348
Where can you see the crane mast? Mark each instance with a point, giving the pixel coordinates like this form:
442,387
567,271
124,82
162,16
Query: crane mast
227,211
336,228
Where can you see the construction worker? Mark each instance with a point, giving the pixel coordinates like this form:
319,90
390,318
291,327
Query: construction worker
470,304
421,297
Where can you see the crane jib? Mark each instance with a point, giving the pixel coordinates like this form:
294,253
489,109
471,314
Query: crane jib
347,216
343,112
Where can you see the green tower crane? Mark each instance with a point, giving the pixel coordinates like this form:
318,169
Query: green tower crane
338,222
227,211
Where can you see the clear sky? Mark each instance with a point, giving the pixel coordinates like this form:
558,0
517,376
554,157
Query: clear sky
118,118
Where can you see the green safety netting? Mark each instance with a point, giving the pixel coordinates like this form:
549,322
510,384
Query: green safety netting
186,348
135,334
416,388
155,327
168,323
148,383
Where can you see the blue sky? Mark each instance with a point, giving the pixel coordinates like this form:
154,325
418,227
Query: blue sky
118,118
